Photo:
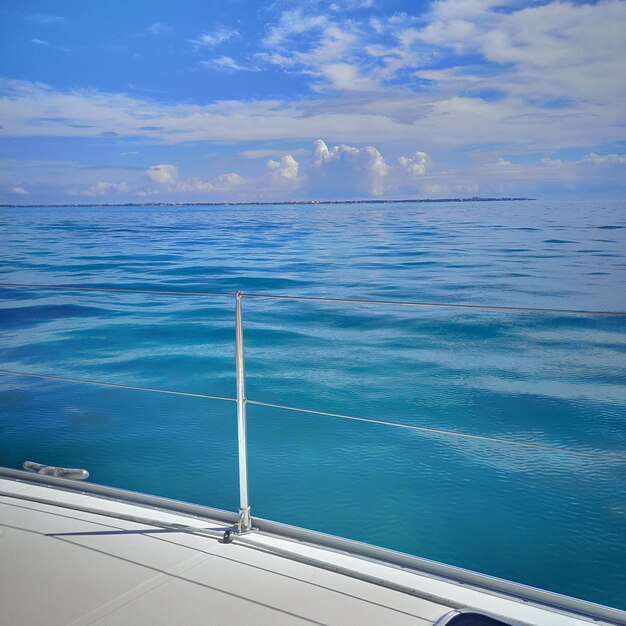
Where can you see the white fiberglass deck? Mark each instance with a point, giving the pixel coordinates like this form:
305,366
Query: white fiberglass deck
60,565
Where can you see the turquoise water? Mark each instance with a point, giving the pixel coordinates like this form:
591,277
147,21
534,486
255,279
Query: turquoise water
542,518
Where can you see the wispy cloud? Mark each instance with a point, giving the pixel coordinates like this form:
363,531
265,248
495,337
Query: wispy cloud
604,160
228,64
538,52
340,51
214,38
159,28
319,48
348,5
44,18
541,53
39,42
346,77
264,153
401,118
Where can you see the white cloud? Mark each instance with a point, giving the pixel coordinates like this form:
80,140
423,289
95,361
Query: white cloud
159,28
229,181
402,118
348,5
215,38
338,51
228,64
547,162
102,188
546,77
346,77
283,174
264,153
331,172
166,178
542,54
45,19
329,55
415,165
292,22
347,171
40,42
163,175
551,50
607,159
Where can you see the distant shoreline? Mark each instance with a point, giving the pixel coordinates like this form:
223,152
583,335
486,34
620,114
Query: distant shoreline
257,203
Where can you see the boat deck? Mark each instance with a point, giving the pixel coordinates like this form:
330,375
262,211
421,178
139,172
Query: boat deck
61,564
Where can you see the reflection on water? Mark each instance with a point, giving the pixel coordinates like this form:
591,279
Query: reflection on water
539,517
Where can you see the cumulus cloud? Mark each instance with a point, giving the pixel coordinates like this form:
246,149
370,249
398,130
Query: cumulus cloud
415,165
547,162
166,178
164,175
229,181
331,171
283,174
347,171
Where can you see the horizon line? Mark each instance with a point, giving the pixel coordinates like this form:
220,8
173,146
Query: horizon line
270,202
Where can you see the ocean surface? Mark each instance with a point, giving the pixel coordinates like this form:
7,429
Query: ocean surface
543,518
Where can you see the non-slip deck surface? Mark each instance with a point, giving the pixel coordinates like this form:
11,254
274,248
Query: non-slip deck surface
60,566
64,566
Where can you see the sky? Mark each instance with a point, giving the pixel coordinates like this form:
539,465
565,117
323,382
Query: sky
196,100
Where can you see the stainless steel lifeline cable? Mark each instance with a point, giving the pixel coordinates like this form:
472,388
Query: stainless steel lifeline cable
270,296
425,429
238,295
164,292
98,383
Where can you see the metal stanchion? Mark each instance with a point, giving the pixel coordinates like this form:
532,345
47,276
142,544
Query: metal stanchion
244,525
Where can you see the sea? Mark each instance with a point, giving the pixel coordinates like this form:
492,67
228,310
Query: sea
540,517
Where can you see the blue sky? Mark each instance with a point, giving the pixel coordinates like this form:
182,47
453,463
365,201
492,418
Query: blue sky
237,100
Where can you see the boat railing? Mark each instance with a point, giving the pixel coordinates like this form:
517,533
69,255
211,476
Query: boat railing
244,524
